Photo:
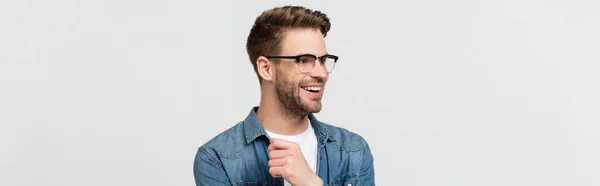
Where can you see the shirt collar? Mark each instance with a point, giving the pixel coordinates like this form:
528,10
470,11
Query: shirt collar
253,128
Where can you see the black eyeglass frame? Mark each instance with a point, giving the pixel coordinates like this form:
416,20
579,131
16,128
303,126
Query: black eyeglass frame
298,57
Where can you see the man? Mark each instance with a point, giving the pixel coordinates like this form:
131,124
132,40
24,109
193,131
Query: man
281,142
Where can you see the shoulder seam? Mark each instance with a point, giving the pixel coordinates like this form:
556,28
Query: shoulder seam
211,158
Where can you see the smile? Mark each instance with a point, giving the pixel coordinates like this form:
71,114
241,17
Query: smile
312,89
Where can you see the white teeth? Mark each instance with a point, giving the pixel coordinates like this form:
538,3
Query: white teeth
313,88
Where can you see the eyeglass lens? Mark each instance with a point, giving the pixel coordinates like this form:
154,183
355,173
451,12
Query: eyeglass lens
306,63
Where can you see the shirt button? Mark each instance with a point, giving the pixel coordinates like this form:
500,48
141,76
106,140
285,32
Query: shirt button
349,184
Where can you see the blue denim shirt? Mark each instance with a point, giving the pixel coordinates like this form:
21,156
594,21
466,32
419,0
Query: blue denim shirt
238,156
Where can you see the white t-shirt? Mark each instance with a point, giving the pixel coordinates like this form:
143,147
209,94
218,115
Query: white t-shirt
307,141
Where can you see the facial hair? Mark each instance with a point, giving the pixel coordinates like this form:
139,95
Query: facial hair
288,95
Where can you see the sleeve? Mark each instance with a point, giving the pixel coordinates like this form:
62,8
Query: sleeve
208,170
367,171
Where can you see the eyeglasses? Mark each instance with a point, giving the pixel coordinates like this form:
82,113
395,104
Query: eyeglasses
306,62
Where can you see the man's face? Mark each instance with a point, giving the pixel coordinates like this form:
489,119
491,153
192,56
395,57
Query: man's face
300,93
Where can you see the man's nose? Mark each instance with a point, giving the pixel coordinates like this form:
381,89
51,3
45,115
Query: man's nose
319,71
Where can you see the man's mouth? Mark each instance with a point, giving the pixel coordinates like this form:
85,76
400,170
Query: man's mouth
314,89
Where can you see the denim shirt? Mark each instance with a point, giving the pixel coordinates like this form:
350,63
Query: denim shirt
238,156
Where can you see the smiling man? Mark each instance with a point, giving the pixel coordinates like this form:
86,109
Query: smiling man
281,142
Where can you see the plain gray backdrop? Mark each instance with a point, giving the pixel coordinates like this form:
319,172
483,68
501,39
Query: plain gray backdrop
461,93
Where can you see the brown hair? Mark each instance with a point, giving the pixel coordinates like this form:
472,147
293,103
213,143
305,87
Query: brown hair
268,29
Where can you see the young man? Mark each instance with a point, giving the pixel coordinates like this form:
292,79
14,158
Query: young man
281,142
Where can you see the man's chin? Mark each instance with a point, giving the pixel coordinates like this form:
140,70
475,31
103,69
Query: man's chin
314,107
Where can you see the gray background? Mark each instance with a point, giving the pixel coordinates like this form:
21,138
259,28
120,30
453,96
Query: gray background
464,93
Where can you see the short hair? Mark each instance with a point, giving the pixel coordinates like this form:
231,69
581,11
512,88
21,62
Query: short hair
269,28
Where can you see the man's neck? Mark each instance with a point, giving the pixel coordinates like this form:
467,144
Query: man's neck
276,120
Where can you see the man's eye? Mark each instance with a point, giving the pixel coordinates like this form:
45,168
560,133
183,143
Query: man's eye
304,60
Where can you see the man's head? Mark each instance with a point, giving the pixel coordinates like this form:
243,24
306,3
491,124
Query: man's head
286,47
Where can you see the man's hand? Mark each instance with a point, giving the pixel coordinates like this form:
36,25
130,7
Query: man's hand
286,160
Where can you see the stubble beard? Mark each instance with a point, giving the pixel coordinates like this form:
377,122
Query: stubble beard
292,104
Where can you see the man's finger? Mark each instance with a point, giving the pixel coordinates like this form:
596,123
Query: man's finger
278,162
276,172
276,154
283,144
271,146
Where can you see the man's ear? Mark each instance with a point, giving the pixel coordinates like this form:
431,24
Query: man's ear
263,66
